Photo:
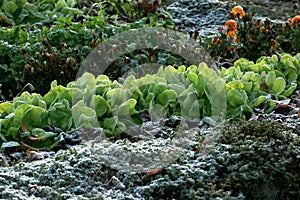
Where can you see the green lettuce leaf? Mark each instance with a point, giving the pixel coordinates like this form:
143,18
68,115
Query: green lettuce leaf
84,116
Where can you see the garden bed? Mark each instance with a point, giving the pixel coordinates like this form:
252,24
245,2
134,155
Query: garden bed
254,154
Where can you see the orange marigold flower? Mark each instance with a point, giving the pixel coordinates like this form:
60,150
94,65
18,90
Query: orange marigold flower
295,21
237,12
231,28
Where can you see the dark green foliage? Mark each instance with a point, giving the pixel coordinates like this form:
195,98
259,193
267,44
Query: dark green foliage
264,159
251,160
54,50
255,37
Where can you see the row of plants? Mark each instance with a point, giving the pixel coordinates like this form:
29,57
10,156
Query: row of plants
255,85
54,50
15,12
246,35
188,92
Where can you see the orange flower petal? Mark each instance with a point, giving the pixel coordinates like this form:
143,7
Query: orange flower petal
295,21
231,33
231,27
235,39
238,11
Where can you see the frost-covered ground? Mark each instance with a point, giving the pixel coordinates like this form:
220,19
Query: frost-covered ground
207,16
250,160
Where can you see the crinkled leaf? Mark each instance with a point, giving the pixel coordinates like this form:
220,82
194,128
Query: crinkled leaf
33,9
127,108
243,64
259,100
287,61
129,81
34,116
171,75
99,104
13,133
150,97
249,76
291,75
166,97
60,115
270,79
235,98
190,106
193,78
215,92
159,88
248,86
6,108
87,79
116,96
278,86
42,134
290,90
24,98
237,84
178,88
110,123
37,100
9,8
50,97
84,116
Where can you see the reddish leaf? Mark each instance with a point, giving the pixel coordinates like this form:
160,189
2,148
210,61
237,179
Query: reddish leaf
284,107
35,155
23,127
33,139
152,172
263,85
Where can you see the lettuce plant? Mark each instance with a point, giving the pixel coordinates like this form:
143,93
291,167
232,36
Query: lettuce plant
97,101
191,92
251,85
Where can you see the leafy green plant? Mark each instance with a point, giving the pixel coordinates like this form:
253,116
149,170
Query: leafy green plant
252,85
122,10
22,11
97,101
56,52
